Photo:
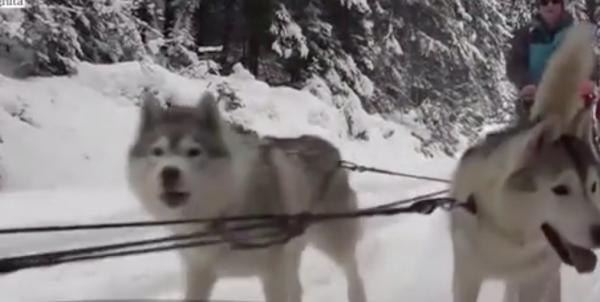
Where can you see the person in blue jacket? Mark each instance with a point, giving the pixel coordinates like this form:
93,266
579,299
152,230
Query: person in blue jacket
533,45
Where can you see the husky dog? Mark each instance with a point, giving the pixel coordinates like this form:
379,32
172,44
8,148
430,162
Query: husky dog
532,190
187,162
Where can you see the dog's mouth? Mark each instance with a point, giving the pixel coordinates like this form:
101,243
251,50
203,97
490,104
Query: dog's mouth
174,198
583,259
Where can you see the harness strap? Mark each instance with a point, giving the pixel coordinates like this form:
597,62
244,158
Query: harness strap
470,206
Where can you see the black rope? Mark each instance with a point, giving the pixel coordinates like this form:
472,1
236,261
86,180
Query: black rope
195,239
136,224
385,209
358,168
10,265
411,200
280,229
343,164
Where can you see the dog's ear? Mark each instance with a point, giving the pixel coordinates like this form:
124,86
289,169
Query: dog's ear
209,112
151,109
533,142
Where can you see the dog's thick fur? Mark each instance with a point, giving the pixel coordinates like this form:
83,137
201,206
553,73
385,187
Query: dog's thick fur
187,162
533,189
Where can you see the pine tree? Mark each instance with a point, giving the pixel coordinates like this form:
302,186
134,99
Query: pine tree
63,32
289,43
48,31
106,32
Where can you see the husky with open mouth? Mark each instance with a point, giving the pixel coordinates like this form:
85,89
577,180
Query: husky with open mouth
533,192
188,162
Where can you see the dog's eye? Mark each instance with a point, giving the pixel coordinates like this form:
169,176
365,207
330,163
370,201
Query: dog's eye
193,152
593,187
561,190
158,151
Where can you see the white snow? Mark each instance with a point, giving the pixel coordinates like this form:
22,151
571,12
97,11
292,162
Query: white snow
62,159
393,45
361,5
288,35
203,49
462,12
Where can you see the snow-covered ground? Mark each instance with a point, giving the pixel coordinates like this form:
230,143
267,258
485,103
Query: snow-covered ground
62,156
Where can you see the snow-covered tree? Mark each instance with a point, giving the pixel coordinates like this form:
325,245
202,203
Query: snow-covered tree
443,59
441,62
62,32
48,30
289,40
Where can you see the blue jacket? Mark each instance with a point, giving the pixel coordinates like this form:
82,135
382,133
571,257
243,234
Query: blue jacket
531,49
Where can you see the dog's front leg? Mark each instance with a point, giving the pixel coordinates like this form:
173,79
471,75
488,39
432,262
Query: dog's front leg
280,279
511,292
200,276
467,278
199,283
544,288
466,284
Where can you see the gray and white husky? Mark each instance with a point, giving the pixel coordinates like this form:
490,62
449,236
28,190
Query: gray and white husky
533,192
188,162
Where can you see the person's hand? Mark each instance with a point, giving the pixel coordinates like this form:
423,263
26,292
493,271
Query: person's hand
527,92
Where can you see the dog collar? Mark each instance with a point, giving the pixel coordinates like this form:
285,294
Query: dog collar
470,206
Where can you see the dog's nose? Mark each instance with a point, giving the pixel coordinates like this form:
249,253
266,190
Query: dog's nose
170,176
595,231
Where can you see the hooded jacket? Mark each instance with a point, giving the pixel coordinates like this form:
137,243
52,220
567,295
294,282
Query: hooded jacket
532,47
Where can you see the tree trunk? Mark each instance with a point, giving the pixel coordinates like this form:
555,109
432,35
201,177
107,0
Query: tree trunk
258,15
169,18
253,52
229,24
143,14
197,24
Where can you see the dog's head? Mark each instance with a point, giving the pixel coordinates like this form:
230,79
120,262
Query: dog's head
558,180
178,155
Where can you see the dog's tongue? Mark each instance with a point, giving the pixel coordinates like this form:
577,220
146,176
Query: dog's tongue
584,260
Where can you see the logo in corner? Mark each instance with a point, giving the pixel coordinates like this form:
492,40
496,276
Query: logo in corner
12,4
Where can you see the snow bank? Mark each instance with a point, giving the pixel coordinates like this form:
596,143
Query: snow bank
75,130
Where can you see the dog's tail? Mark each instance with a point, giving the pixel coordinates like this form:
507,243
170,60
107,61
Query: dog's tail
558,96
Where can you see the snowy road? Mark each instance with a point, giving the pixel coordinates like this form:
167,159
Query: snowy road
403,258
